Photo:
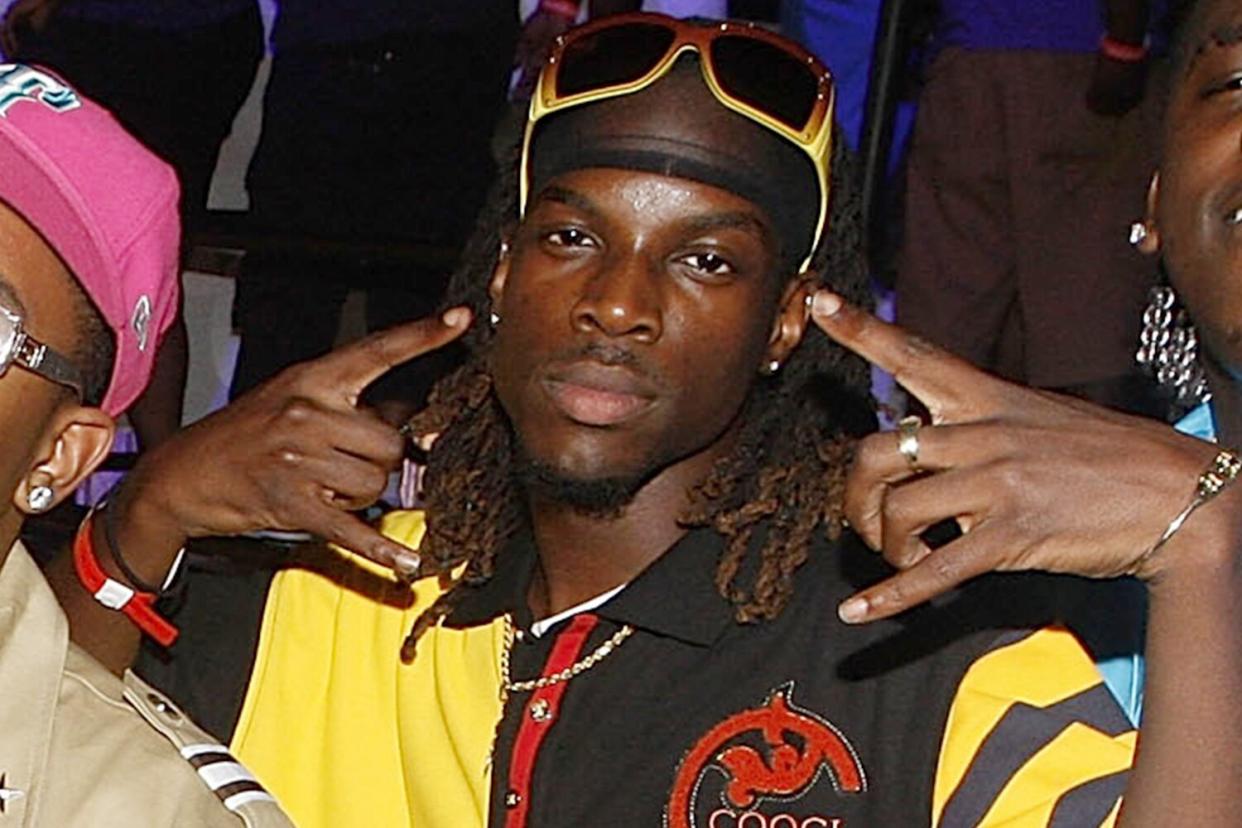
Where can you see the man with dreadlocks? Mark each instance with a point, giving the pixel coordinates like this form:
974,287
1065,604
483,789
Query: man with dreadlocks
632,548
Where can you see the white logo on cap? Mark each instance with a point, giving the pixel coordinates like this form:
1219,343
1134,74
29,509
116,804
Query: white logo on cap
142,318
19,82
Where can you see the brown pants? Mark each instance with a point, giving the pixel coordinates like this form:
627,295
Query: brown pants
1019,203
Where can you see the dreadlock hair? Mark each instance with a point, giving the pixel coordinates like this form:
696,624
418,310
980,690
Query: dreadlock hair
786,470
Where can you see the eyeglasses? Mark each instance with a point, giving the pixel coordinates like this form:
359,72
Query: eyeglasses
17,347
748,69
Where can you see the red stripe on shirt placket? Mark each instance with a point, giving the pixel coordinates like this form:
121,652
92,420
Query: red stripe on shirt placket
539,715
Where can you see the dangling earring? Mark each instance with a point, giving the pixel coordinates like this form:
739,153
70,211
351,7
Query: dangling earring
40,498
1169,348
1138,233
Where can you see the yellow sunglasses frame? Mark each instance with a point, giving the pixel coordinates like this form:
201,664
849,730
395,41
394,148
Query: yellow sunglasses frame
814,139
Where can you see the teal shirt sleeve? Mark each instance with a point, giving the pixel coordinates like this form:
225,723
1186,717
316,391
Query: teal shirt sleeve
1125,674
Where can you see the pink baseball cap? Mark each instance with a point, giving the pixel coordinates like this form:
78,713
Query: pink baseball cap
104,203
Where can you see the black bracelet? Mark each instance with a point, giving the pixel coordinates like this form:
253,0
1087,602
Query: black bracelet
115,551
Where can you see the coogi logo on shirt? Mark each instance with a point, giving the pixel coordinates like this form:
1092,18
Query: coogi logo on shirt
747,771
19,82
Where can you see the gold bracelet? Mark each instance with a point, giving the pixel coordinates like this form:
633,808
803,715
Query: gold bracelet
1224,471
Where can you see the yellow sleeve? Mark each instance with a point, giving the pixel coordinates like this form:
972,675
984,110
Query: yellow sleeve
1034,738
342,732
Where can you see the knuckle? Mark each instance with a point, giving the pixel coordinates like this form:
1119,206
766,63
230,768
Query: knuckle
1010,442
893,595
915,349
297,411
867,457
393,450
334,532
897,512
376,348
290,458
294,376
944,568
1008,483
853,506
375,483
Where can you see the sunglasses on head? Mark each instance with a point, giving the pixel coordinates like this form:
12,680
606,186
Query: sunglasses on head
17,347
753,72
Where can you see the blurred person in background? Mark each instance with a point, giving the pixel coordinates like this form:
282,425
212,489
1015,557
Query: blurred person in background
377,128
174,72
1034,135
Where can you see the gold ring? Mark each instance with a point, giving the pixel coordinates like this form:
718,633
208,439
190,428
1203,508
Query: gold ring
908,440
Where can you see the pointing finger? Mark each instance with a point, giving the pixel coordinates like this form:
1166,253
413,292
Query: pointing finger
348,532
934,574
947,385
352,368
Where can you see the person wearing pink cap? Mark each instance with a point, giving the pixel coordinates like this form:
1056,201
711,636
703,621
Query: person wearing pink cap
88,263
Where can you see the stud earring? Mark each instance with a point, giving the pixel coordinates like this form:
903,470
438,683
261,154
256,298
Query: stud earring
493,318
772,367
504,249
40,498
1138,233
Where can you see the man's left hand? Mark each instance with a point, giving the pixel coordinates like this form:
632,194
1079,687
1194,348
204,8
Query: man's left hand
1036,481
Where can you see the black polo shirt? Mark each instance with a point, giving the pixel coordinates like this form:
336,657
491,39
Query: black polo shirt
799,722
947,715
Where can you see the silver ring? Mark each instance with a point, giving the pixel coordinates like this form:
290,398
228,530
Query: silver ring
908,440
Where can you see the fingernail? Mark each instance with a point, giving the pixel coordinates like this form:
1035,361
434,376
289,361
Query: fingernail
406,565
455,317
826,303
853,611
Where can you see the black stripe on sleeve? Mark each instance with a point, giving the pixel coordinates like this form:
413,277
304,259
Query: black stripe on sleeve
202,760
1089,803
240,786
1021,733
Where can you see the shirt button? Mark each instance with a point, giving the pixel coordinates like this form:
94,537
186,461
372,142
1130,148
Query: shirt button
162,707
541,711
513,799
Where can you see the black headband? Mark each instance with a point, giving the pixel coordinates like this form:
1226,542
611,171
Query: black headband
703,141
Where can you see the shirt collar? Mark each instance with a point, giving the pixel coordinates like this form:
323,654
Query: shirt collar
674,596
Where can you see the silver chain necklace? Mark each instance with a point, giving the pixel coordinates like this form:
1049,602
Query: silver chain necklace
577,668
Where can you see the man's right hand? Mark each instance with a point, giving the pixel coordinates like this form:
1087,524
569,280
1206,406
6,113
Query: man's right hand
295,453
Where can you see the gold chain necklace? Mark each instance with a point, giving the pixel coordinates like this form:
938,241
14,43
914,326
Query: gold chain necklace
577,668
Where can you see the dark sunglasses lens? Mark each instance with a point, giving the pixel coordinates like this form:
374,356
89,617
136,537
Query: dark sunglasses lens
611,56
766,77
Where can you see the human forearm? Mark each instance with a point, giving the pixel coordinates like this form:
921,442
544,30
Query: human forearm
149,539
1189,768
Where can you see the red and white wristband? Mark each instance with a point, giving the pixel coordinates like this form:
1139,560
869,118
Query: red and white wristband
1119,50
138,607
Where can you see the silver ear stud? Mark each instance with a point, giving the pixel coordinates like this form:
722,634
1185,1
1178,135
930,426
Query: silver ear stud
40,498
